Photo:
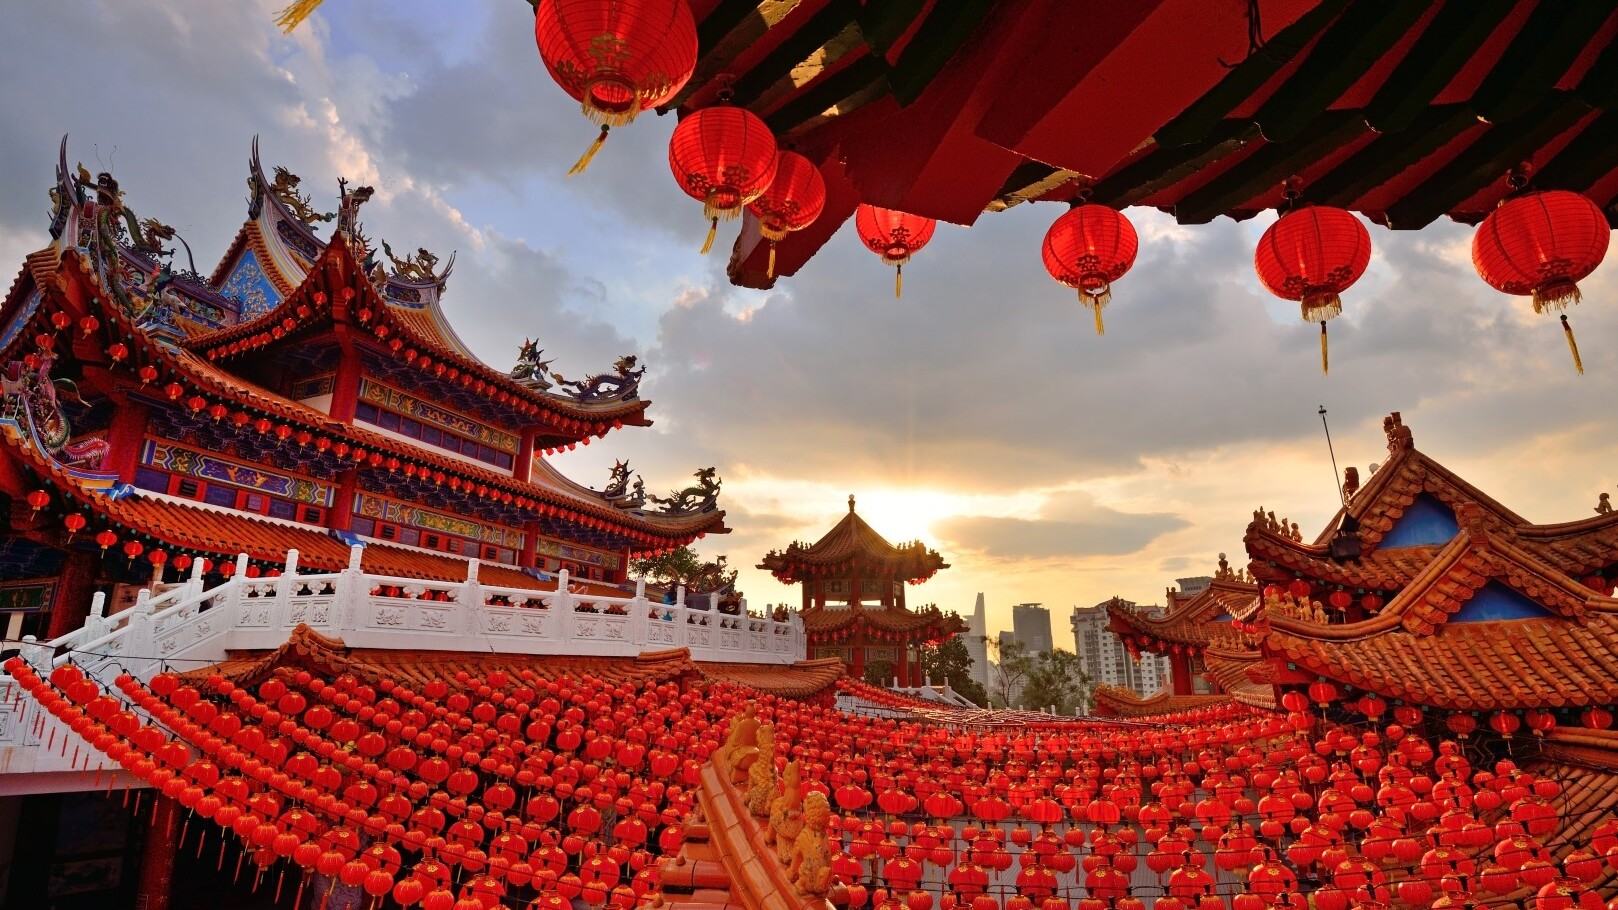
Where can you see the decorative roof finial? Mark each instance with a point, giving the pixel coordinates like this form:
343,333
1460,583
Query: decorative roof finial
1399,436
851,503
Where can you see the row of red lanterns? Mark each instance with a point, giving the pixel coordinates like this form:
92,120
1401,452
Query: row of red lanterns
621,58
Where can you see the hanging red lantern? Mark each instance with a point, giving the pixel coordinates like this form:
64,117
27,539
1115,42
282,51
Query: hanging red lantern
89,324
106,539
893,235
38,499
724,157
792,202
147,373
616,57
133,549
1312,255
1541,244
1088,249
74,524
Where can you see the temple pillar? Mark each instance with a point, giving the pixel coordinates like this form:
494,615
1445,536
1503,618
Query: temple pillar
71,602
530,545
156,887
345,388
1180,674
858,670
902,671
340,517
125,436
523,469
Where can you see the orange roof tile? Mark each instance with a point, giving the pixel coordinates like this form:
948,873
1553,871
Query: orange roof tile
817,621
849,544
1186,620
1112,701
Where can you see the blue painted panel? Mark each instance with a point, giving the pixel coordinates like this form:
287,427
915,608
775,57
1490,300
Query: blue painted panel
250,287
1494,601
24,313
1427,522
1223,617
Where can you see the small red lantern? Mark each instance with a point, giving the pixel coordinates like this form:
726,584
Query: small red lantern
895,236
1312,255
616,59
724,157
147,373
117,351
38,499
1541,244
74,524
792,202
1088,249
106,539
133,549
89,324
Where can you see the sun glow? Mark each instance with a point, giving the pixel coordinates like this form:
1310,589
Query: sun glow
903,515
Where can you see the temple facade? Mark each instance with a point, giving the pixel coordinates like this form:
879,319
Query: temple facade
308,394
854,584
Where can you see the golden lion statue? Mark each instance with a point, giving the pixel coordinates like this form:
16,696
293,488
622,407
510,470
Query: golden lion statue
810,865
786,815
761,774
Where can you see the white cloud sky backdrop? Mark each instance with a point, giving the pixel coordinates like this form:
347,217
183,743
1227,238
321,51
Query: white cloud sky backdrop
979,412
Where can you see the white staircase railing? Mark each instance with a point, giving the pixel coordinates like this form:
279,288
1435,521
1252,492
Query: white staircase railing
190,626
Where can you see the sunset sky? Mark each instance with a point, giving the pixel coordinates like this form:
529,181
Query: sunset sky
980,412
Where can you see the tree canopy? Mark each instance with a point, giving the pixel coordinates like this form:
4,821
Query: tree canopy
949,662
682,566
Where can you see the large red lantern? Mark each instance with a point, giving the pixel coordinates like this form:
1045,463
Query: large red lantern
616,57
1312,255
893,235
792,202
724,157
1541,244
1088,249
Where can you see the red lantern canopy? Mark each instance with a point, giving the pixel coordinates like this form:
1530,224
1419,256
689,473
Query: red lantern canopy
724,157
1540,244
1088,249
893,235
1312,255
792,202
616,57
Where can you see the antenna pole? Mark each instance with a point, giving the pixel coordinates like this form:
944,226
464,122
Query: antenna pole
1336,475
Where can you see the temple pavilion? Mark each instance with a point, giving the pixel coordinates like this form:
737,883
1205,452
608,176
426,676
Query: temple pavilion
306,394
854,585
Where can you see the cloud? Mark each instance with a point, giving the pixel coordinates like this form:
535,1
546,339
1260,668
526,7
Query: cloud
1071,526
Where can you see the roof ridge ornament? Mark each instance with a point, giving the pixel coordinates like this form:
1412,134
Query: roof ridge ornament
1399,435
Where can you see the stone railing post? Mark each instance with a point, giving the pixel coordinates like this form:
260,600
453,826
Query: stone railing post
95,625
471,599
285,586
193,585
562,603
138,638
350,590
679,596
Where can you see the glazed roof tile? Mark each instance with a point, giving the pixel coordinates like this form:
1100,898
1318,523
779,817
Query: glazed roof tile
1119,702
849,544
893,619
1186,620
1244,676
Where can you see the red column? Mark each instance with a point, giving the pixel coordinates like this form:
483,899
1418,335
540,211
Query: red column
124,438
157,858
71,602
1180,674
524,468
902,671
340,517
345,390
530,544
916,675
858,670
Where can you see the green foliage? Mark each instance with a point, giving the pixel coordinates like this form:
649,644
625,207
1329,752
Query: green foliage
949,662
1056,678
879,673
682,566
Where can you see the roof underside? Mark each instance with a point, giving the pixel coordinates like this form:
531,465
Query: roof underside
1405,112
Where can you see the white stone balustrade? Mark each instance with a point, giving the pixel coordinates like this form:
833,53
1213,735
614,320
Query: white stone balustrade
190,626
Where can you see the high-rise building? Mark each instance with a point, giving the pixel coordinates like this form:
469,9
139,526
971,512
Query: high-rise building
1104,657
976,647
1031,627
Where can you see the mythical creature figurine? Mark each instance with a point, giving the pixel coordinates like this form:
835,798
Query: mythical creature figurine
699,498
742,743
37,397
637,493
621,385
532,369
348,210
1603,506
761,774
810,867
618,485
786,815
422,267
285,190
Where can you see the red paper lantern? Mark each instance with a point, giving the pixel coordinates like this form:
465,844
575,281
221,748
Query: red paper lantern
38,499
74,523
725,157
616,57
1312,255
106,539
1541,244
1088,249
792,202
893,235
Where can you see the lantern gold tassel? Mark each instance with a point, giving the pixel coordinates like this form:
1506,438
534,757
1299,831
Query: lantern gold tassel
1572,345
1097,301
713,231
589,153
1556,295
1325,355
898,280
770,273
294,13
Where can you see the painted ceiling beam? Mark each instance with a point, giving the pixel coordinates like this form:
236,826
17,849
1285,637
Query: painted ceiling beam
1537,58
1445,47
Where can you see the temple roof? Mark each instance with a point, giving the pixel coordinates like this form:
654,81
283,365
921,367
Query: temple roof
1116,701
1188,620
822,623
1404,112
853,547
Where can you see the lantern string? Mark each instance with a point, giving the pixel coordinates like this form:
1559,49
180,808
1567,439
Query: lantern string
1572,345
713,231
590,153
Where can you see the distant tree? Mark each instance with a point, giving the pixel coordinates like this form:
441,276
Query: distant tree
1057,679
1013,666
949,662
682,566
879,673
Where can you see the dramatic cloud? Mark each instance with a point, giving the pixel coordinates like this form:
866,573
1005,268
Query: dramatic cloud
980,411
